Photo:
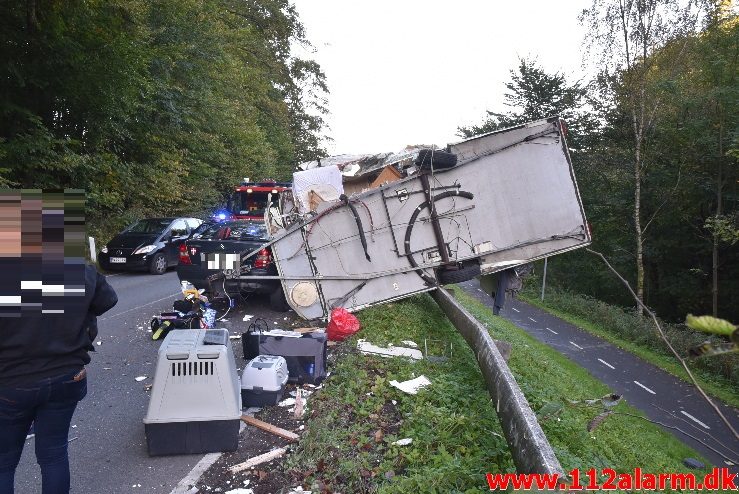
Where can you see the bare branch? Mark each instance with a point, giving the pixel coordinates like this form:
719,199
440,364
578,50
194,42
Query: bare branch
662,335
667,199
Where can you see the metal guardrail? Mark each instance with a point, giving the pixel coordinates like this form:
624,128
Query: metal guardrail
529,446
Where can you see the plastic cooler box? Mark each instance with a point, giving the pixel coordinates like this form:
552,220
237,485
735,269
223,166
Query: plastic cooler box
195,404
263,381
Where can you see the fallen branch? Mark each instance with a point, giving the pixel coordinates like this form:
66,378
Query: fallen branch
257,460
676,428
669,345
278,431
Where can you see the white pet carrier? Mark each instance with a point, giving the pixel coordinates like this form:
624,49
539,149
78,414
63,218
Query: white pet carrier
195,404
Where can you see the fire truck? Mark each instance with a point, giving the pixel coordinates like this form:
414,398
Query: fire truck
250,199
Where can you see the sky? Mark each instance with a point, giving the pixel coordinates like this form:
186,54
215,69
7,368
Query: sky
408,72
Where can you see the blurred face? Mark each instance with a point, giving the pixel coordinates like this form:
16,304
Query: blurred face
10,227
46,225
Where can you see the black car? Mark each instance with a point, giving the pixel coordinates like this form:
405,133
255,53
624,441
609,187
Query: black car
219,248
150,244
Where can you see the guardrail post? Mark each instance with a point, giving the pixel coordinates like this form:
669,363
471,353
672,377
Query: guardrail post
529,446
93,252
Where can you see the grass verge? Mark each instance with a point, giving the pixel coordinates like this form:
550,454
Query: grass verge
620,328
356,417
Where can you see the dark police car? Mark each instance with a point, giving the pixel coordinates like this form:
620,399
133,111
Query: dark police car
219,248
150,244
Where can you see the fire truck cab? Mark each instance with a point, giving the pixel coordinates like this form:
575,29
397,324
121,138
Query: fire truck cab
250,199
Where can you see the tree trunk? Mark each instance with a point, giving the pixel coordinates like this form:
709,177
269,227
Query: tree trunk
719,212
637,228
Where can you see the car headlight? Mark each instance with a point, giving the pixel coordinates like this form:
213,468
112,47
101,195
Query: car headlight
104,250
145,249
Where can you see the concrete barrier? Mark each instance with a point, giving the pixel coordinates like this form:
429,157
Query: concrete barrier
529,446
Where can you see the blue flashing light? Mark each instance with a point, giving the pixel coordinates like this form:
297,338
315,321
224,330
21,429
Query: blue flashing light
220,215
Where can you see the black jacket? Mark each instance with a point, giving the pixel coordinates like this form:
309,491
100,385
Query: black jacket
50,334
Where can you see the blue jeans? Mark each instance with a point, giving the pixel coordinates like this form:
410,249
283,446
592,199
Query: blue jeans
48,404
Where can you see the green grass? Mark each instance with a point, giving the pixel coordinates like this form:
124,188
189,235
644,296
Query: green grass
621,328
455,431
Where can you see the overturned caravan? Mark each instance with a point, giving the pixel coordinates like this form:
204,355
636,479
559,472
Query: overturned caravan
483,205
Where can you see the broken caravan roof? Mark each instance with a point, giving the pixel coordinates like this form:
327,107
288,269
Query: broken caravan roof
511,199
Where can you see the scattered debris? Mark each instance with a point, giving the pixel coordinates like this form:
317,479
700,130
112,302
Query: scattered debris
240,490
403,442
278,431
247,317
412,386
287,402
599,419
693,463
410,344
504,348
368,348
549,410
147,387
379,435
299,404
258,460
99,343
235,337
140,378
107,368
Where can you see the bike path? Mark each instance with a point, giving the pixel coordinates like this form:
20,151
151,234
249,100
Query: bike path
660,395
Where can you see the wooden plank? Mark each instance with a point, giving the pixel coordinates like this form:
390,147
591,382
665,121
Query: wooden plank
257,460
291,436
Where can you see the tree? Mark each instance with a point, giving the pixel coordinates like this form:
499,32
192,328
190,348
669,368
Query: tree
624,38
534,94
154,107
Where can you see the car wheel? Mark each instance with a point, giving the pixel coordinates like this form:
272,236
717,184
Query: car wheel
158,264
451,276
277,301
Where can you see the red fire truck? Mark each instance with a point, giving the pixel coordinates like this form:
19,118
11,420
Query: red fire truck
250,199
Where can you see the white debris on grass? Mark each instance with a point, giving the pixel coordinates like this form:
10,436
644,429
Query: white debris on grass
368,348
140,378
287,402
299,490
403,442
410,344
412,386
240,491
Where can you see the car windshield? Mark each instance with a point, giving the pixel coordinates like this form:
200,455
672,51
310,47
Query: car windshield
156,226
236,230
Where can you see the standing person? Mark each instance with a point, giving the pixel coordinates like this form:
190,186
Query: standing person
48,309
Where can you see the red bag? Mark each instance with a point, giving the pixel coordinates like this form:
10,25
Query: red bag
343,324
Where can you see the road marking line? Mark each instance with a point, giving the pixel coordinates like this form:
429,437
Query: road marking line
138,307
642,386
694,419
515,309
532,319
185,485
576,345
553,331
606,363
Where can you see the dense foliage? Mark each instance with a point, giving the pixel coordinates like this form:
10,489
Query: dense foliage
689,173
153,107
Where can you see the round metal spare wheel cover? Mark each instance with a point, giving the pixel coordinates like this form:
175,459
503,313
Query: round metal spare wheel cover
304,294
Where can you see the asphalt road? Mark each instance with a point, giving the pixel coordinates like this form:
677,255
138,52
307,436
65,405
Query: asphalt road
660,395
108,451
